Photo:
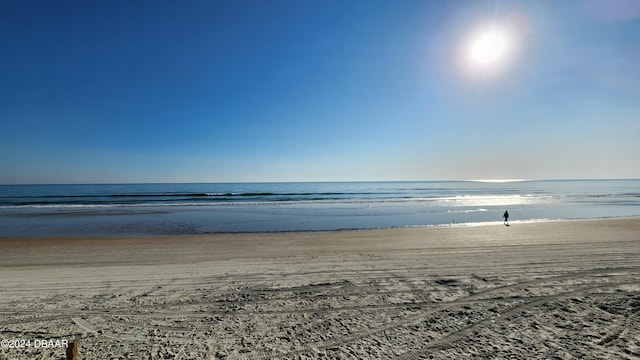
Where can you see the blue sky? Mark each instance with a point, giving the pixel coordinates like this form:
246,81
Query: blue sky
217,91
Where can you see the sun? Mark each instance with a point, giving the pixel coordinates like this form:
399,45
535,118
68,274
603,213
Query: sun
489,49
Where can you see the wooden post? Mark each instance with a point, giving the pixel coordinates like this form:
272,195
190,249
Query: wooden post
72,350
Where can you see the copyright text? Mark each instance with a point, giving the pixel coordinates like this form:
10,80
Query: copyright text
35,343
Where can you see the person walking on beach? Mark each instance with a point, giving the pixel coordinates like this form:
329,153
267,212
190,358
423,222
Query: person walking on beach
506,217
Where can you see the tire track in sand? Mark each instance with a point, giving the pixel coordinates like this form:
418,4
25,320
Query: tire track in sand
602,274
450,339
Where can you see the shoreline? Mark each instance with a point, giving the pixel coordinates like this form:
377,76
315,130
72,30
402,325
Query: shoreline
536,290
344,230
159,249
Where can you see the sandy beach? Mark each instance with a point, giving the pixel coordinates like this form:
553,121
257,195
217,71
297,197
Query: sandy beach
540,290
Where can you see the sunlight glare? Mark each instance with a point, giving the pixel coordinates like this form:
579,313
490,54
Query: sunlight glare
499,180
489,49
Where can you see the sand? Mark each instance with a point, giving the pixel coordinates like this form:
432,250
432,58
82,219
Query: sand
542,290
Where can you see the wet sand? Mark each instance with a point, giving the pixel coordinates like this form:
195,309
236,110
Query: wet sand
541,290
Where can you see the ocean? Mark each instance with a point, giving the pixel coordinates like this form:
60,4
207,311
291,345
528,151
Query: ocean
112,210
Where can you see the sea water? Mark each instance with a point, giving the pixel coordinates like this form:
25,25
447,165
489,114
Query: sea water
183,209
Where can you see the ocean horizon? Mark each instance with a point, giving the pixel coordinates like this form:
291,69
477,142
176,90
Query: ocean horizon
156,209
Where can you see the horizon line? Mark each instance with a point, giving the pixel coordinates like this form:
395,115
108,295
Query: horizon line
488,181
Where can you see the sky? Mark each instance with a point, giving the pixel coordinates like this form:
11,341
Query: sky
287,90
